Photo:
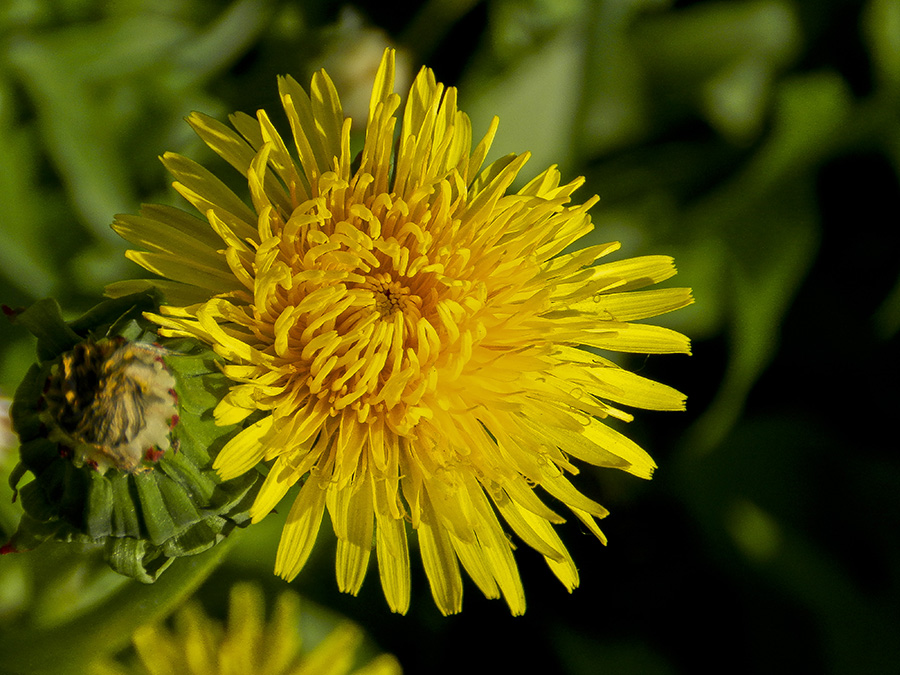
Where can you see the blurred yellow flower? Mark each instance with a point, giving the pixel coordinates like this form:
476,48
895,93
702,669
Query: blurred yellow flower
196,644
406,335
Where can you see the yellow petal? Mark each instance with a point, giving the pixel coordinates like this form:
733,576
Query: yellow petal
440,564
174,291
634,305
560,487
393,561
186,271
223,141
632,273
639,338
521,520
280,479
300,530
244,451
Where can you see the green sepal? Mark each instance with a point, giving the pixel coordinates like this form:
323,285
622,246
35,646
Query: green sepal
45,321
118,316
99,514
198,485
170,508
125,521
177,502
16,475
136,558
24,414
33,532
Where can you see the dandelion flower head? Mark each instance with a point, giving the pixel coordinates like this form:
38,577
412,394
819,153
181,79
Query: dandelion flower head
406,336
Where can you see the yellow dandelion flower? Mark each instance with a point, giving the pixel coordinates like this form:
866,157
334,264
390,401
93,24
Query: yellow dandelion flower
409,334
197,644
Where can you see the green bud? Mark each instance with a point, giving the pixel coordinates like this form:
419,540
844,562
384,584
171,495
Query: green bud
115,426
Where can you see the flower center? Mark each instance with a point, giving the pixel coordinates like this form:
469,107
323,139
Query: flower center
366,307
392,296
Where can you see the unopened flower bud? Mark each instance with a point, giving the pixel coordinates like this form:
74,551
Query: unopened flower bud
111,426
113,402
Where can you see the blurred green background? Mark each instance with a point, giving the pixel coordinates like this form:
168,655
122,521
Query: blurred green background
756,141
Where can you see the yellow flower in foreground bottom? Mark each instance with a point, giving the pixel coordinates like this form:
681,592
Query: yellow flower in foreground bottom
248,645
406,335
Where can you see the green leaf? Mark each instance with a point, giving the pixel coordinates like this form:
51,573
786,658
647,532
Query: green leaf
766,218
24,258
614,108
881,28
536,101
77,89
724,57
765,270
